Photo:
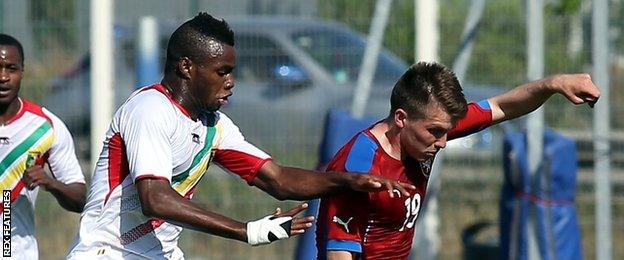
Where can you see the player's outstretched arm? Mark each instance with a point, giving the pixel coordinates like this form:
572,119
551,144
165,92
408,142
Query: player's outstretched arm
299,184
70,196
160,201
578,88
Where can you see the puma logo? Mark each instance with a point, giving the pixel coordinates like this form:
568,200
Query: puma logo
340,222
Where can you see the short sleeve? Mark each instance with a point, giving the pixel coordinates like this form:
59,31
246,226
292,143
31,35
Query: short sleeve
235,154
62,155
145,128
478,117
343,221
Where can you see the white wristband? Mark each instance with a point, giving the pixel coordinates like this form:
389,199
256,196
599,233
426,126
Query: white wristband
268,229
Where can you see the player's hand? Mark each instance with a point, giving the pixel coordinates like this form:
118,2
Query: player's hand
368,183
278,226
298,225
578,88
35,176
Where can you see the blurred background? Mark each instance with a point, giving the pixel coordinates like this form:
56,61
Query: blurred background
298,59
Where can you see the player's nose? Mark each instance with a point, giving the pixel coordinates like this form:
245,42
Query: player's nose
440,143
4,75
229,83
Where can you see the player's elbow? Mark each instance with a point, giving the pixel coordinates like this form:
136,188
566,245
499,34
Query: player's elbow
287,193
278,191
75,200
281,196
78,207
156,197
151,208
278,182
153,205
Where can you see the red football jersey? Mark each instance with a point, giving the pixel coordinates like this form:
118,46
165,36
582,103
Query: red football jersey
373,224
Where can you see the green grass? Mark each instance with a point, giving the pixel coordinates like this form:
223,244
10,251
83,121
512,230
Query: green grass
468,194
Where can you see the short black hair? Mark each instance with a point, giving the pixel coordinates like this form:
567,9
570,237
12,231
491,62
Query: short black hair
6,39
191,38
427,82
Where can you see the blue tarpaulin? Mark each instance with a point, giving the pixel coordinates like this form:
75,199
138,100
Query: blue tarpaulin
549,198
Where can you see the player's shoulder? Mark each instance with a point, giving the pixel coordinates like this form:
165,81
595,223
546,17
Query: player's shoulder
479,107
359,153
32,107
36,110
149,102
149,95
53,118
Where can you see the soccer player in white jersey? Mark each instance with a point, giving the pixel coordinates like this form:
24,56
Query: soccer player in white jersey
31,136
159,145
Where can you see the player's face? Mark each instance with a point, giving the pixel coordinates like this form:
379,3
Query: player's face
11,72
421,139
214,80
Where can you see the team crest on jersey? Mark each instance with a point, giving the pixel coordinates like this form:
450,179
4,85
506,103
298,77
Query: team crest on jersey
425,166
341,222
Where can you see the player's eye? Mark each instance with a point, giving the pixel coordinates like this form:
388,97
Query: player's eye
437,132
224,71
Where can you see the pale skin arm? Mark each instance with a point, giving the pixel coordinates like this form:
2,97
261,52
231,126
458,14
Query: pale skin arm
341,255
577,88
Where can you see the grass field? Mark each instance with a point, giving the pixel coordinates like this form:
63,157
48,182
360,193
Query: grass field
468,194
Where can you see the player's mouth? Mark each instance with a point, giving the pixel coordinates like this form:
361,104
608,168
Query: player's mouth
430,154
5,90
224,100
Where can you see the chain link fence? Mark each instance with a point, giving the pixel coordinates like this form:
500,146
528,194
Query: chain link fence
320,44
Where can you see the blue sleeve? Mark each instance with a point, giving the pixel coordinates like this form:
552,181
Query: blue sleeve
344,245
360,158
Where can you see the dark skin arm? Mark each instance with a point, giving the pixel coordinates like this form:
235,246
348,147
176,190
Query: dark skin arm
70,196
160,201
299,184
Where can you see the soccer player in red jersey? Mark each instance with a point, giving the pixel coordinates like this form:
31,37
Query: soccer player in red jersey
427,109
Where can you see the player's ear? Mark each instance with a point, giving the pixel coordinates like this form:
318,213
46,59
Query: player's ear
184,67
400,116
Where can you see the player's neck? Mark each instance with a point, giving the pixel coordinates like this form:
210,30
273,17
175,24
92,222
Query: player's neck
175,90
8,111
388,138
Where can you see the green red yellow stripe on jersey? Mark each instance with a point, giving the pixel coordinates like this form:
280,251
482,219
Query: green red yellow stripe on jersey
13,164
184,182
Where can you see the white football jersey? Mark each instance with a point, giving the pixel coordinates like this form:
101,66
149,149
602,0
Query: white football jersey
152,136
33,135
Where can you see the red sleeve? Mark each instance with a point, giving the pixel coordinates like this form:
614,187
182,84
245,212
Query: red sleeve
240,163
478,117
